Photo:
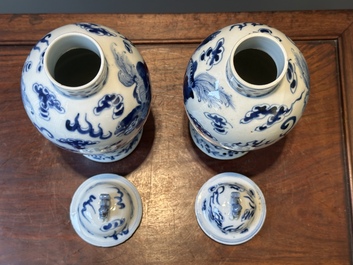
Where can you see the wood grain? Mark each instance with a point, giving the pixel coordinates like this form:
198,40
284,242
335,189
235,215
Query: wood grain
306,177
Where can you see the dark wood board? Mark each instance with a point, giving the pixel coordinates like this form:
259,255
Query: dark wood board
306,177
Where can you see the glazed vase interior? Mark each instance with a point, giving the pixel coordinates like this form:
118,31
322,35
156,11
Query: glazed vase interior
84,64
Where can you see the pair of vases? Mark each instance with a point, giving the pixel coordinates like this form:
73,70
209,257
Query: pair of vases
87,89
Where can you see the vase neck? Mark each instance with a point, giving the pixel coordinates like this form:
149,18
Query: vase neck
75,65
257,64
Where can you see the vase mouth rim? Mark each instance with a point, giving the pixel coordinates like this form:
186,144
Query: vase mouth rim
65,43
270,45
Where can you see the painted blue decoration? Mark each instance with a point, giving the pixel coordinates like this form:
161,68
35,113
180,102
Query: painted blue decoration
119,198
240,26
88,203
76,126
109,101
199,127
47,100
216,216
26,102
128,45
275,113
206,88
250,144
137,77
44,40
116,234
112,225
27,66
44,131
213,56
96,29
288,124
78,144
208,39
291,76
211,149
219,123
304,70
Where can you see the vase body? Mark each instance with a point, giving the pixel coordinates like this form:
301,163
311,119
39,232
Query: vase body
245,87
86,88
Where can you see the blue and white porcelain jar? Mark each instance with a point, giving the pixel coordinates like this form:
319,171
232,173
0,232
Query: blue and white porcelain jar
245,87
86,88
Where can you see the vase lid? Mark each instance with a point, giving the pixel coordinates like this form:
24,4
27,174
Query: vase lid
106,210
230,208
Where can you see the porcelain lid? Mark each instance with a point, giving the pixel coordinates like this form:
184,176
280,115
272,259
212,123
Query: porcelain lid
106,210
230,208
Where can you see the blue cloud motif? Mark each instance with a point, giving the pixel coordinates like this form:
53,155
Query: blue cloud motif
200,128
219,123
214,55
47,101
291,76
275,113
107,102
112,225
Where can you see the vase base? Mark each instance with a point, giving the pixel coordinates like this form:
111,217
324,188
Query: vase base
118,154
213,150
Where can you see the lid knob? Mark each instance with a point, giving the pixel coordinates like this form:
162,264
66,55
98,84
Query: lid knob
104,206
236,205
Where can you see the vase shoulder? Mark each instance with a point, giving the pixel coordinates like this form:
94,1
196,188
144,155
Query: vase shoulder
86,88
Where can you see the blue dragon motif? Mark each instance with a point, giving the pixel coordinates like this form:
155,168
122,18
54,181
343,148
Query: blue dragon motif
137,76
96,29
205,87
47,101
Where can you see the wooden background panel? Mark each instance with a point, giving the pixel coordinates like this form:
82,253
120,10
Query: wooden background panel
157,28
302,178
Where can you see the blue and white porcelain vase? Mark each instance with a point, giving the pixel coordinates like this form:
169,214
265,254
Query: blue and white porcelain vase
86,88
245,87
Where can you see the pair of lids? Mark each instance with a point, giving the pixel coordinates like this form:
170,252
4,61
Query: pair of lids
107,209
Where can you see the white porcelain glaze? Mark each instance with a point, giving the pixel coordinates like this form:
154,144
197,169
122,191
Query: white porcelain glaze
230,116
102,119
230,208
124,211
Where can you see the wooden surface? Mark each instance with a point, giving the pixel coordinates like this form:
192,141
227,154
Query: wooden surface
306,177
